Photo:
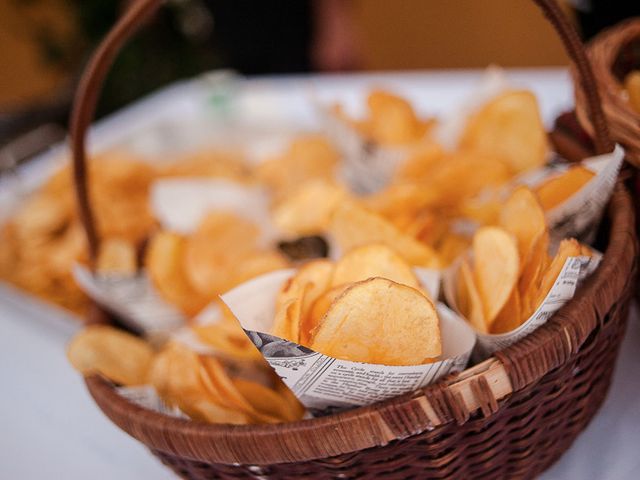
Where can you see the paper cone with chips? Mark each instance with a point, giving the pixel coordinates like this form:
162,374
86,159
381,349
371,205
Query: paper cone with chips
352,332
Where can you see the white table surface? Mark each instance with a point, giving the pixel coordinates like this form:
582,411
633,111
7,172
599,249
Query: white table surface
50,427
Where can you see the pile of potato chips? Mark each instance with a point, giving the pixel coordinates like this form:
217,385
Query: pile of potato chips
367,307
199,385
508,272
443,206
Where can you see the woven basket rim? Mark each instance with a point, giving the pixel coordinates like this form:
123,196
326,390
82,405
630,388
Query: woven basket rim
624,121
379,424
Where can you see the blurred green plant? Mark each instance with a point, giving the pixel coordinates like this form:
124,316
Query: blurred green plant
175,44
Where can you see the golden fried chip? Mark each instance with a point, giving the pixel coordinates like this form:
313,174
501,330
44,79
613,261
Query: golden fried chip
421,163
265,400
227,339
164,262
509,317
380,321
179,377
561,187
523,217
451,246
632,87
567,248
374,260
316,312
297,296
288,316
534,265
308,208
315,276
309,157
509,127
468,298
496,265
217,163
117,256
221,241
119,356
255,264
392,120
119,190
353,226
223,390
42,216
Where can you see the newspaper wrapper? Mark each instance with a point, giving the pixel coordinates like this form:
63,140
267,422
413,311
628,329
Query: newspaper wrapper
574,271
133,299
367,166
579,216
324,384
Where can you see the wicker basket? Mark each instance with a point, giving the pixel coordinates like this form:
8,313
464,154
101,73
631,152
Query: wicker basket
613,54
511,416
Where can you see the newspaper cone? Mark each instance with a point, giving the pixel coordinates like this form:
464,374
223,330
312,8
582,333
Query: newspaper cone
579,215
325,384
574,271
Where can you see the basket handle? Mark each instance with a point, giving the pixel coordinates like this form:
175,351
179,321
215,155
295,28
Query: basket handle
86,97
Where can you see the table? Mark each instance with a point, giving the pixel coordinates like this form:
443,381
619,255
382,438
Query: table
50,426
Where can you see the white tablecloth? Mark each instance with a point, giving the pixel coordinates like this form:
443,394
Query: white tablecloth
51,428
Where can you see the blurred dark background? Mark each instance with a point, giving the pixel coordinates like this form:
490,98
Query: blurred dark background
45,43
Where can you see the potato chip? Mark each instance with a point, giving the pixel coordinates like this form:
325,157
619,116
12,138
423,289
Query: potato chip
420,163
353,226
392,120
523,217
217,163
317,311
288,318
119,191
555,190
164,263
509,317
227,339
119,356
265,400
457,176
309,157
451,246
509,127
223,390
182,380
380,321
297,296
254,264
42,215
375,260
117,256
567,248
290,400
632,87
534,265
308,208
221,241
496,266
468,298
315,275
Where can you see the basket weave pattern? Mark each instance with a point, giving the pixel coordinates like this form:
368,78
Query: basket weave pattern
613,54
560,376
534,427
